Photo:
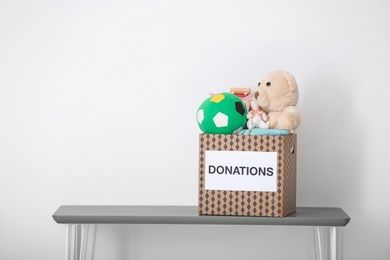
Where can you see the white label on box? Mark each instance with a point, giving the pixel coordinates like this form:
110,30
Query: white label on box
241,170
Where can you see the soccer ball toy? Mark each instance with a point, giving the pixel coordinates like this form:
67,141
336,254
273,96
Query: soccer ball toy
221,113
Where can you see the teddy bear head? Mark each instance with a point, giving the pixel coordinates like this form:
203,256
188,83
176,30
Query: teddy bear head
276,91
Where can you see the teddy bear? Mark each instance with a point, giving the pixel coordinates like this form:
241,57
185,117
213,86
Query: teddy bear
277,95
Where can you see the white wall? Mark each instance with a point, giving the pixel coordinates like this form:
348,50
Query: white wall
98,103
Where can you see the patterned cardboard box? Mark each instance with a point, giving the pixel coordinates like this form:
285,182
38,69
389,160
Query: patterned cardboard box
279,202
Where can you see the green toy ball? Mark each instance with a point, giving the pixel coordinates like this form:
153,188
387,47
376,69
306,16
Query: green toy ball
221,113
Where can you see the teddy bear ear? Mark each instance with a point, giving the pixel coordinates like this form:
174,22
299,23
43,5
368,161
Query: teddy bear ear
291,81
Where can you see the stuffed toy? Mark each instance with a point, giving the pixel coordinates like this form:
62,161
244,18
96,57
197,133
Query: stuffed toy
256,117
278,95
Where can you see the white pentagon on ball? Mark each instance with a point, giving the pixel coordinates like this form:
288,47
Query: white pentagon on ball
221,120
200,116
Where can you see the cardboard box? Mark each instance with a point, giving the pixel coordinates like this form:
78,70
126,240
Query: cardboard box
244,175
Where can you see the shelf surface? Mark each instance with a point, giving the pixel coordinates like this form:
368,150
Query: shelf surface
89,214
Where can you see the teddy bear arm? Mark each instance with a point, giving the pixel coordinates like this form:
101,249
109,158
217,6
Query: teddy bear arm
273,119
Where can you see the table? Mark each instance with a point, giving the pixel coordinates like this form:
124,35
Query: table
325,222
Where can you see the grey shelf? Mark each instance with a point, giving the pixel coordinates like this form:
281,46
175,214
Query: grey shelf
304,216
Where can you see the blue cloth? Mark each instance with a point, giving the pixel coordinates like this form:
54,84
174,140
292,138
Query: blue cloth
261,131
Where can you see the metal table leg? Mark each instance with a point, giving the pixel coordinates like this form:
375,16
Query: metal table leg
326,243
76,241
